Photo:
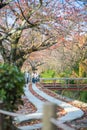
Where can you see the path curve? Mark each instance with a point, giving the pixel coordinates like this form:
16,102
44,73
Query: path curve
72,112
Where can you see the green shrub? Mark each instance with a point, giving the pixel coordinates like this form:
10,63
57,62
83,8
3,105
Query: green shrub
84,96
11,85
48,74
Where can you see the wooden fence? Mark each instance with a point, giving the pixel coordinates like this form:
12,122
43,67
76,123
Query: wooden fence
78,84
64,81
49,118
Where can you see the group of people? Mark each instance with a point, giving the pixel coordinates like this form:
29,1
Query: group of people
34,77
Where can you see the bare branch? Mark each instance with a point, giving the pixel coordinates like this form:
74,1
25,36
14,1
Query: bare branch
3,4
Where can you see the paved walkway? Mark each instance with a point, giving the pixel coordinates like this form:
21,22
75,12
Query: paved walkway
72,112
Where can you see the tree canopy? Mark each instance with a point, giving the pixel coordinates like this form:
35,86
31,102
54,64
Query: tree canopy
27,26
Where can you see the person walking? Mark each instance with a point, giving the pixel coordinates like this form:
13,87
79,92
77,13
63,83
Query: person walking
27,77
34,77
37,77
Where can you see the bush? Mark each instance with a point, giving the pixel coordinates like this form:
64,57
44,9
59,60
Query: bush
48,74
11,85
84,96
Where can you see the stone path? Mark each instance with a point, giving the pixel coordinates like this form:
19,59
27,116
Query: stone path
72,112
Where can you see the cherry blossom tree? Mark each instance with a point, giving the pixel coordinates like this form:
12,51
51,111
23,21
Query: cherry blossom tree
16,18
51,21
